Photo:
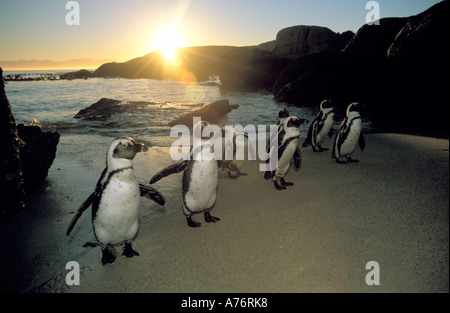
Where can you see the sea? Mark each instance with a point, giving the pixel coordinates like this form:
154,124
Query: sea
149,105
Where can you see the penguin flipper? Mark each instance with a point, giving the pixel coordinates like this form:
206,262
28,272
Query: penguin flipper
171,169
86,204
297,159
331,132
152,193
361,141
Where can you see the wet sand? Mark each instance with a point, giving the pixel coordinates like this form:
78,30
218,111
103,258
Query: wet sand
316,236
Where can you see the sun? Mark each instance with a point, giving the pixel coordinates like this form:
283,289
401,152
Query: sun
167,41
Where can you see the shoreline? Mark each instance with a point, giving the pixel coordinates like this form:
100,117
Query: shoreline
316,236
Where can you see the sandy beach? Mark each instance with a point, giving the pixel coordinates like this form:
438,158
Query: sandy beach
316,236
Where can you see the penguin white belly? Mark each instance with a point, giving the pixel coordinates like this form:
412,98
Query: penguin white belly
285,160
201,194
349,144
325,129
117,217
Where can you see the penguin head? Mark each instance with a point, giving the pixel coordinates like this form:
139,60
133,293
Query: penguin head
326,104
283,113
295,121
123,150
354,107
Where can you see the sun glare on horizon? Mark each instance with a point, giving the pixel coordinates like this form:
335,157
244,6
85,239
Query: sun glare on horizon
167,41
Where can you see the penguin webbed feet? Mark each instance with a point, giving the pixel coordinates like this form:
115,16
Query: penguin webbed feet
191,223
107,255
320,149
283,185
209,218
350,160
128,250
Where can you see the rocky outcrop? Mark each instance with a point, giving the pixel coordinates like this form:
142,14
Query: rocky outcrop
250,68
375,41
400,69
199,62
81,74
26,155
37,153
212,113
101,110
295,41
11,181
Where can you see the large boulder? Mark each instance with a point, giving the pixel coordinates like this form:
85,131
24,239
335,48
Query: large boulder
212,113
401,73
250,68
26,155
37,153
11,181
296,41
375,40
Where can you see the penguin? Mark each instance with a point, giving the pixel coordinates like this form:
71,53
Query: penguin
321,126
287,148
278,136
349,135
115,201
200,178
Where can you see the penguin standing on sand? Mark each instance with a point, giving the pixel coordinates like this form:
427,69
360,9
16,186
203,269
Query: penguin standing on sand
278,136
349,135
200,177
286,150
115,201
321,126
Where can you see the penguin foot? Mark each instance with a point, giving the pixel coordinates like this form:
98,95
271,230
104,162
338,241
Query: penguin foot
350,160
275,182
107,256
286,183
209,218
267,175
191,223
340,162
128,251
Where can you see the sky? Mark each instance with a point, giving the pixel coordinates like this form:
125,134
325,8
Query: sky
120,30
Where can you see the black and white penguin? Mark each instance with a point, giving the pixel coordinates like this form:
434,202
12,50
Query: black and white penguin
321,126
349,135
277,136
200,177
115,201
287,149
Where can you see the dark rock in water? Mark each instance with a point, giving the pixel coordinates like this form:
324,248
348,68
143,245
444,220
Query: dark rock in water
11,182
211,112
81,74
250,68
37,154
26,155
101,110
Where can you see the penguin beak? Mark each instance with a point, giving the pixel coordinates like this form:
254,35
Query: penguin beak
140,147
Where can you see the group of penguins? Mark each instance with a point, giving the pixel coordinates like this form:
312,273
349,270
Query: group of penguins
115,200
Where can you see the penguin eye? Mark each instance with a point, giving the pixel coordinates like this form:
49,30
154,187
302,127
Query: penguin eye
126,144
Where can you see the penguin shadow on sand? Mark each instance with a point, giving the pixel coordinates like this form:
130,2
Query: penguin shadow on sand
115,201
200,178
